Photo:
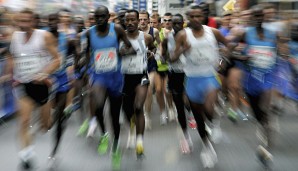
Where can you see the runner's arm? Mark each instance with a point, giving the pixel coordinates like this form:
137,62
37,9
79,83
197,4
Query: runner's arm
156,35
164,49
127,49
50,43
181,45
150,45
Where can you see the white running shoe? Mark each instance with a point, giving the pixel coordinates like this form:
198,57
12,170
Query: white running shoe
91,130
131,141
216,135
163,118
208,156
172,114
52,163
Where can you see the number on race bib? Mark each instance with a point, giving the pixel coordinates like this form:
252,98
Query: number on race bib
133,64
105,60
262,56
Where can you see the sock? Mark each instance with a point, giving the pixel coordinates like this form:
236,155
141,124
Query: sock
92,120
139,138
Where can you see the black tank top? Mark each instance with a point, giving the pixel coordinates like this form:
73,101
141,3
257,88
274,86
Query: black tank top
151,32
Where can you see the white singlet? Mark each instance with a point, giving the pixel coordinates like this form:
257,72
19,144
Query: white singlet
136,64
203,56
30,57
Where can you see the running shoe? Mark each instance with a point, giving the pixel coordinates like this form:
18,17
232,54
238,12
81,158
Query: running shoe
192,122
83,128
172,114
265,157
232,115
131,141
140,150
116,160
103,144
92,129
163,118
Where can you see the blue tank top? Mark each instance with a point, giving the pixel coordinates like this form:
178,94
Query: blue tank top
263,52
104,42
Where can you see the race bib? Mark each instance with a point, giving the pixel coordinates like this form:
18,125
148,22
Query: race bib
105,60
26,66
133,64
262,56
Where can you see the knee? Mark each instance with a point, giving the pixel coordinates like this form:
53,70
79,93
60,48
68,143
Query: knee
138,110
158,90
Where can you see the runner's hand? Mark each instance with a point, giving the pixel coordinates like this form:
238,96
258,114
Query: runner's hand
126,51
150,54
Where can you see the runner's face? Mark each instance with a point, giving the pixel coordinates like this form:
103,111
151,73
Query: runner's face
121,16
91,19
53,23
153,23
101,17
168,22
196,17
177,24
65,18
80,26
25,21
144,21
131,22
259,17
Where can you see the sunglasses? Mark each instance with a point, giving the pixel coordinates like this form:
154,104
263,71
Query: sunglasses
169,20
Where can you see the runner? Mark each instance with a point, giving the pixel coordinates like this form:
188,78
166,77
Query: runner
199,44
152,65
161,78
136,79
176,77
35,57
106,79
260,78
63,86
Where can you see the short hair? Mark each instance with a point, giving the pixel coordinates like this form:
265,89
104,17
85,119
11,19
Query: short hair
144,12
168,14
27,11
53,15
268,6
257,8
179,15
192,7
156,18
133,11
65,10
102,7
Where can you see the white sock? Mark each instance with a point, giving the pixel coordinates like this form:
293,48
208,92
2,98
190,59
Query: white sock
92,120
139,138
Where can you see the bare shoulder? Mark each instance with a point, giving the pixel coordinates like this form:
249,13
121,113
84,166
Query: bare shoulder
215,31
181,34
148,37
118,28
